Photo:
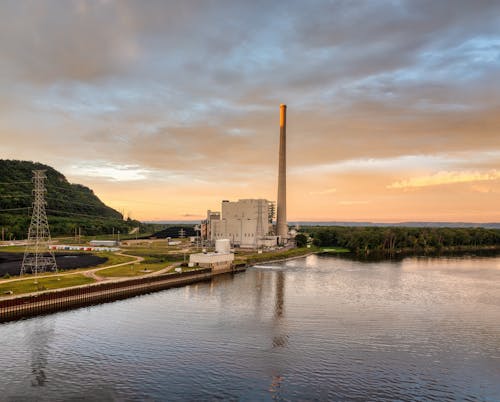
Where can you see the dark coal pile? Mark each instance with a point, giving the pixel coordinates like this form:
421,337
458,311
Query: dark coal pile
174,232
10,263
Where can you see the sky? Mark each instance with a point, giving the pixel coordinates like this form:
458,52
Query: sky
165,108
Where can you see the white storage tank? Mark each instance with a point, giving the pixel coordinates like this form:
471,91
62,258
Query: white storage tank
223,246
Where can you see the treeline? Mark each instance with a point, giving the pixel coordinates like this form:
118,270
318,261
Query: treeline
15,227
364,240
70,207
62,197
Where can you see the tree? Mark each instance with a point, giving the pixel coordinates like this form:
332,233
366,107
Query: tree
301,240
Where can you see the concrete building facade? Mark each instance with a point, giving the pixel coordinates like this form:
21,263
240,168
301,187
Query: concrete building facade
244,222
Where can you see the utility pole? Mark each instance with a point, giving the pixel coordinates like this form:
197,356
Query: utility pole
35,258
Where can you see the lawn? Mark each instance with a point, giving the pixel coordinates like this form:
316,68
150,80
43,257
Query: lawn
335,250
276,255
12,249
113,259
130,270
53,282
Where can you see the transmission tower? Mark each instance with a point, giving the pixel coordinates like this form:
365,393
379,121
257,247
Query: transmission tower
37,256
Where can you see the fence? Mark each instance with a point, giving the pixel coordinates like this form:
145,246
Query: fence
62,299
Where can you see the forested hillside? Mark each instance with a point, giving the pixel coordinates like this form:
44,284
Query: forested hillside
69,206
363,240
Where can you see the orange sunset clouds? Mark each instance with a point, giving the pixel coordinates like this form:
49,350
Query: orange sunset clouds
166,108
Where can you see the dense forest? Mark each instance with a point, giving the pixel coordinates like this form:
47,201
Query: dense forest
364,240
69,206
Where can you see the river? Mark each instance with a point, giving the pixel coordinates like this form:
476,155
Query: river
315,328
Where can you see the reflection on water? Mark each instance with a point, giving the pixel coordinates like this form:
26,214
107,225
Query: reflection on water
37,338
280,294
280,338
319,328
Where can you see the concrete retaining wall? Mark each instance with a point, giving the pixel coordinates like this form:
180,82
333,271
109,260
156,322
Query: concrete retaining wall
14,308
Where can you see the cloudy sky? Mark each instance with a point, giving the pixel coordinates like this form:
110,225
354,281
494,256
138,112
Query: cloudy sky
165,108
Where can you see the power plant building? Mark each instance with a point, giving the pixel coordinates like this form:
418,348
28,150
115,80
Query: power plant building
249,222
246,223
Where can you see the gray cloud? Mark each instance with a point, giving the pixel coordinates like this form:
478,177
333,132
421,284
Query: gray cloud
165,84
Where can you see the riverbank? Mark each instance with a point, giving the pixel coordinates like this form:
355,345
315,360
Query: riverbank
22,306
43,300
399,254
276,255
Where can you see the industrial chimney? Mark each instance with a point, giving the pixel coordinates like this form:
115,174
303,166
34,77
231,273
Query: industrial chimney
281,224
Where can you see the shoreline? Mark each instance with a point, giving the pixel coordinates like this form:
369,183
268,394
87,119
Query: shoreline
284,259
24,305
44,302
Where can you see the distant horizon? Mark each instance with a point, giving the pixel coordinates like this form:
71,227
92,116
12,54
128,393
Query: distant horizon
353,223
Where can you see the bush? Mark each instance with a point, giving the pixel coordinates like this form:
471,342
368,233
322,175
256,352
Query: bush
301,240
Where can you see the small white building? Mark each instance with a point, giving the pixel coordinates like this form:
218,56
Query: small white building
220,261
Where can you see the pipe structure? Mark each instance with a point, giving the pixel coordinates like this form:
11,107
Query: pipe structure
281,223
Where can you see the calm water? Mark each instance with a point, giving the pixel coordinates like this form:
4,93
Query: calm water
316,328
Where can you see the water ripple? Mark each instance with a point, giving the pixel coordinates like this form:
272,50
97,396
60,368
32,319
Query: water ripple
319,328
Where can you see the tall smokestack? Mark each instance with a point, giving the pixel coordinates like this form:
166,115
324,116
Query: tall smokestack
281,224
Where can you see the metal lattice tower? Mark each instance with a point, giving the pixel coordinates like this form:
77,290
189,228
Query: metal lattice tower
37,256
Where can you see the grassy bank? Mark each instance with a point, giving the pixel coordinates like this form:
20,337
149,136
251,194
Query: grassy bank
275,255
334,250
113,259
53,282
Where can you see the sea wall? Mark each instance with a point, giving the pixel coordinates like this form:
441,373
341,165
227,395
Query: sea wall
17,307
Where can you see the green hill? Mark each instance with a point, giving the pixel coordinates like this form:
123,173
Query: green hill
69,206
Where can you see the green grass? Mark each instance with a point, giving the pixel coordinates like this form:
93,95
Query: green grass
12,249
53,282
113,259
157,249
276,255
335,250
132,270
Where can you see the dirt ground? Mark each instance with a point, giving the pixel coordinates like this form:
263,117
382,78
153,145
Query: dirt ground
11,262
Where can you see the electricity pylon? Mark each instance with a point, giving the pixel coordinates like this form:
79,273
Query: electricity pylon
37,256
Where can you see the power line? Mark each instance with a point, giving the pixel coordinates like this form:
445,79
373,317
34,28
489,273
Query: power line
62,188
15,182
85,215
14,209
65,200
76,202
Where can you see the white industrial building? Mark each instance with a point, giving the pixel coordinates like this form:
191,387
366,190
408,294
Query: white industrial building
219,261
246,223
